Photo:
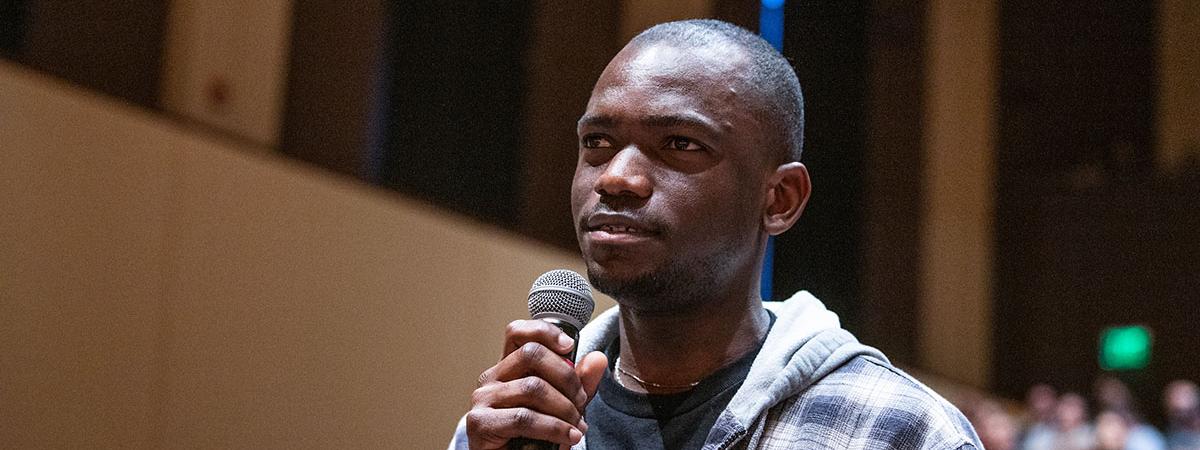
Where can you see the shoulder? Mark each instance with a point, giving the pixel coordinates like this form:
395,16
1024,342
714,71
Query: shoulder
868,403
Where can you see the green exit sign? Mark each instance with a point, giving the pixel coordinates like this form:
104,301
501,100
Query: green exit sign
1125,347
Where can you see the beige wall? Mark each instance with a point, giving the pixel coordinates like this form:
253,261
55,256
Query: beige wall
959,149
160,288
240,45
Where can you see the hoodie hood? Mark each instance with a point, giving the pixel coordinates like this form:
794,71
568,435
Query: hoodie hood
805,344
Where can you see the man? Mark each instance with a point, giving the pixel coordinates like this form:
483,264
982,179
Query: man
688,161
1181,398
1041,402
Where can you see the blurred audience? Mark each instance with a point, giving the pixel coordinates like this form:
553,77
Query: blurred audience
1113,396
1181,399
1112,430
1070,431
1053,422
1040,403
996,428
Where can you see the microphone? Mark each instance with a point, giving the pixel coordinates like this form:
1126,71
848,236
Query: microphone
564,299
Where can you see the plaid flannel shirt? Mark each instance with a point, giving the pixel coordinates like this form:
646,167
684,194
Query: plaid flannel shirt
865,404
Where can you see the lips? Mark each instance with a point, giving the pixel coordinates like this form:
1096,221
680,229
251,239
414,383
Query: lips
617,224
615,229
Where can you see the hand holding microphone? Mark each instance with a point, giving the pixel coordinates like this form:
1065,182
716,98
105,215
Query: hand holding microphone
535,392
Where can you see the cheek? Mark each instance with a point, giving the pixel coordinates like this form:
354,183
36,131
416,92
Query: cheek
721,204
731,218
581,187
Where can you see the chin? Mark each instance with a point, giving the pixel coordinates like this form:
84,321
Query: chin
613,273
653,285
637,288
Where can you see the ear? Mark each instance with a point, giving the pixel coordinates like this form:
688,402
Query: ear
787,193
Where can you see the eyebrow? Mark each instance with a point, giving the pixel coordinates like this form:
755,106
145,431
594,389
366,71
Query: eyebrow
653,120
597,121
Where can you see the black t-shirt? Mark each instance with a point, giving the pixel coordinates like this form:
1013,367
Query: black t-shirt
622,419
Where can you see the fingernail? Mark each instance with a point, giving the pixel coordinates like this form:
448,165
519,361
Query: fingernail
564,342
576,436
583,425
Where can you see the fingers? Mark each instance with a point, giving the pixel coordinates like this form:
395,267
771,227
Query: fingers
531,392
520,332
489,428
534,359
590,370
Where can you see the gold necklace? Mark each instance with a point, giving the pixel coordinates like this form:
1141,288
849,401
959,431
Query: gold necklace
652,384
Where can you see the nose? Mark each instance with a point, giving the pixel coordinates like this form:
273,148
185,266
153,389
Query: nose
626,175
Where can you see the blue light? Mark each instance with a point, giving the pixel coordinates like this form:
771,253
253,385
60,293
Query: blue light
770,22
772,4
765,283
770,26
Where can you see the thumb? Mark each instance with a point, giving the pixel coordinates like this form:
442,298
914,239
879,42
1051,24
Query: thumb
590,370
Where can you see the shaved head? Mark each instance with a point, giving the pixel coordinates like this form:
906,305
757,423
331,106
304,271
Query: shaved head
770,80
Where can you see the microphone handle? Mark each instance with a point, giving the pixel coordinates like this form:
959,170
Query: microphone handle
532,444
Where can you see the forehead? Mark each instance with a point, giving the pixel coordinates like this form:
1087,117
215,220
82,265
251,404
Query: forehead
663,78
662,63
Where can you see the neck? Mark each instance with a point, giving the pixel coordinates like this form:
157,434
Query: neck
684,347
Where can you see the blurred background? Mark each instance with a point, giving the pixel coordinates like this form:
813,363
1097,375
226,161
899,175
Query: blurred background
303,223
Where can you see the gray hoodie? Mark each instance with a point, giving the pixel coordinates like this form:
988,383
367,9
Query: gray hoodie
814,386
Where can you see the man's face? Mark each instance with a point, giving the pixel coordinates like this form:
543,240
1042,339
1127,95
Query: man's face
669,188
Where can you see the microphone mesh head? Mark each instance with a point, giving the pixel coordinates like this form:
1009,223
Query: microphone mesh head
562,294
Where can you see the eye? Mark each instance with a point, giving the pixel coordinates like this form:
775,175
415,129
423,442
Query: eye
683,144
594,141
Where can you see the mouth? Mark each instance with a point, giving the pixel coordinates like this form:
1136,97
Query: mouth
605,228
619,229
